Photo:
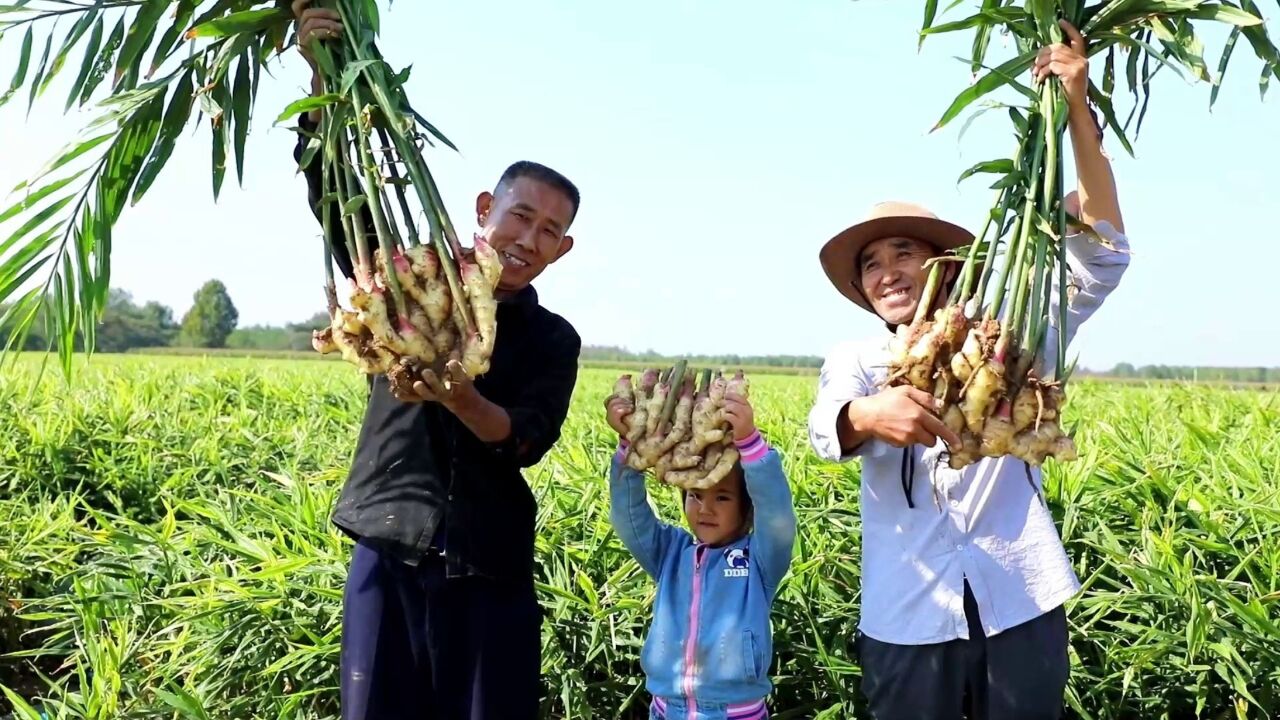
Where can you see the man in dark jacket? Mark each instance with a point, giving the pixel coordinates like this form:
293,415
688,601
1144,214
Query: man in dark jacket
440,618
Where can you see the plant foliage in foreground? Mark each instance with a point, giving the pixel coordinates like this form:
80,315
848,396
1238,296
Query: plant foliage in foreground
168,551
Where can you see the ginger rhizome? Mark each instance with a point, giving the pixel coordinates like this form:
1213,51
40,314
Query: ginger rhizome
677,427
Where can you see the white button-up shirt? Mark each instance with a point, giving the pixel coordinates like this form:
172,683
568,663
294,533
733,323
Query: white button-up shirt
986,523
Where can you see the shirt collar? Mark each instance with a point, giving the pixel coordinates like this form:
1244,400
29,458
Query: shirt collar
525,298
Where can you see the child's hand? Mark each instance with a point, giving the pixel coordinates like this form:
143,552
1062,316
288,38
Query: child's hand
740,416
616,411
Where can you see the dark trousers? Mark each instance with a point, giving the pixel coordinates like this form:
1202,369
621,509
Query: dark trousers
418,646
1020,674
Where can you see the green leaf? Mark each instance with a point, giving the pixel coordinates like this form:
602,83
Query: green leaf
175,119
1109,73
1001,166
67,156
308,104
20,706
20,75
1135,45
993,80
219,162
20,268
930,14
352,73
1182,44
170,38
183,702
103,64
35,221
354,205
141,31
17,268
984,20
248,21
1222,65
35,81
375,21
240,107
77,31
1104,104
436,133
1224,14
31,200
86,65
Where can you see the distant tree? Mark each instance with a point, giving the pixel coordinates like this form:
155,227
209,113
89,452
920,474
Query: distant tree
211,319
1124,370
126,325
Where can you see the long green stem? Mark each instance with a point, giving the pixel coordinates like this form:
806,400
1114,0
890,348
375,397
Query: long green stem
1029,214
364,266
374,196
400,194
1000,207
1059,370
418,173
676,384
1050,107
330,290
930,292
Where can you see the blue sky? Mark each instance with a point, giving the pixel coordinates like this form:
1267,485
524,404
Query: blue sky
717,145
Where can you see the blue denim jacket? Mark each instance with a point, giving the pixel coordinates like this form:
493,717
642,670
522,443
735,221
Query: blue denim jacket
709,645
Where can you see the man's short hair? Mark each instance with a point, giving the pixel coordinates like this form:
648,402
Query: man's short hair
543,174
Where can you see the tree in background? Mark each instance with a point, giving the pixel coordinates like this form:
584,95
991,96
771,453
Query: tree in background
211,319
126,325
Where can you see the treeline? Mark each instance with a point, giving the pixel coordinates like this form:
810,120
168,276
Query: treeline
603,353
126,325
1127,371
212,323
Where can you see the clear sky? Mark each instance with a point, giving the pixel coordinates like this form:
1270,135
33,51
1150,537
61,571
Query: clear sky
718,144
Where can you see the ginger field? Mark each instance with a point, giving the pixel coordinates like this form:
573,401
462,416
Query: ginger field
165,548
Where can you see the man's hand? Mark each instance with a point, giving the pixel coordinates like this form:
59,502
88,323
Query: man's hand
616,410
1098,199
1070,63
314,24
901,416
740,416
456,390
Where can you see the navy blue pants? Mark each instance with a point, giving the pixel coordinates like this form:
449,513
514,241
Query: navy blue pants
417,645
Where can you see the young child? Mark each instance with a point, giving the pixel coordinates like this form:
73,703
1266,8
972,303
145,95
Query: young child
709,646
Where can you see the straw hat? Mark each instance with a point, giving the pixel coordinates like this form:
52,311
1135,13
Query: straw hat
839,256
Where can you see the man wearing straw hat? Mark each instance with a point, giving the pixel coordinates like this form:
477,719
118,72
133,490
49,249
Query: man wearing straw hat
962,594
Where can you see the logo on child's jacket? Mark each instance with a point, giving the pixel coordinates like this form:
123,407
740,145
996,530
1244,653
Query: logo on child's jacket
739,561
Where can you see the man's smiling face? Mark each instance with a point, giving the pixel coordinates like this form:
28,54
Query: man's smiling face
526,222
893,276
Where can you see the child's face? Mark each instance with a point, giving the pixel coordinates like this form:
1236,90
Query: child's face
715,515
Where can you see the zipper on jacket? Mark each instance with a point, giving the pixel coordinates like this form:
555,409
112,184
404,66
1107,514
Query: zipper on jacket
690,663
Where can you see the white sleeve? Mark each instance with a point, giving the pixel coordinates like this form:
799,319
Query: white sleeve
843,378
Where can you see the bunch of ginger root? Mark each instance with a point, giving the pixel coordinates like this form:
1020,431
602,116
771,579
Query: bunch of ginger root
679,430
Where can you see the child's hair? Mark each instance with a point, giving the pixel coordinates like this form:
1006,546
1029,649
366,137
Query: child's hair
748,509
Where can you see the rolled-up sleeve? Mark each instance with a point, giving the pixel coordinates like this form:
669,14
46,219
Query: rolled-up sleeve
842,379
539,413
1096,266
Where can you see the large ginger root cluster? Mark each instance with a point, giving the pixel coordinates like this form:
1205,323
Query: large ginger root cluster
990,399
378,340
679,430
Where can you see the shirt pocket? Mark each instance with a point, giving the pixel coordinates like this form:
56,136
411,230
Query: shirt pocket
751,660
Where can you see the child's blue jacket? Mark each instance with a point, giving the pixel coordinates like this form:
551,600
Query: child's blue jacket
710,641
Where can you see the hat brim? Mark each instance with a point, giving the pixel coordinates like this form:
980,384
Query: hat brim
839,256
